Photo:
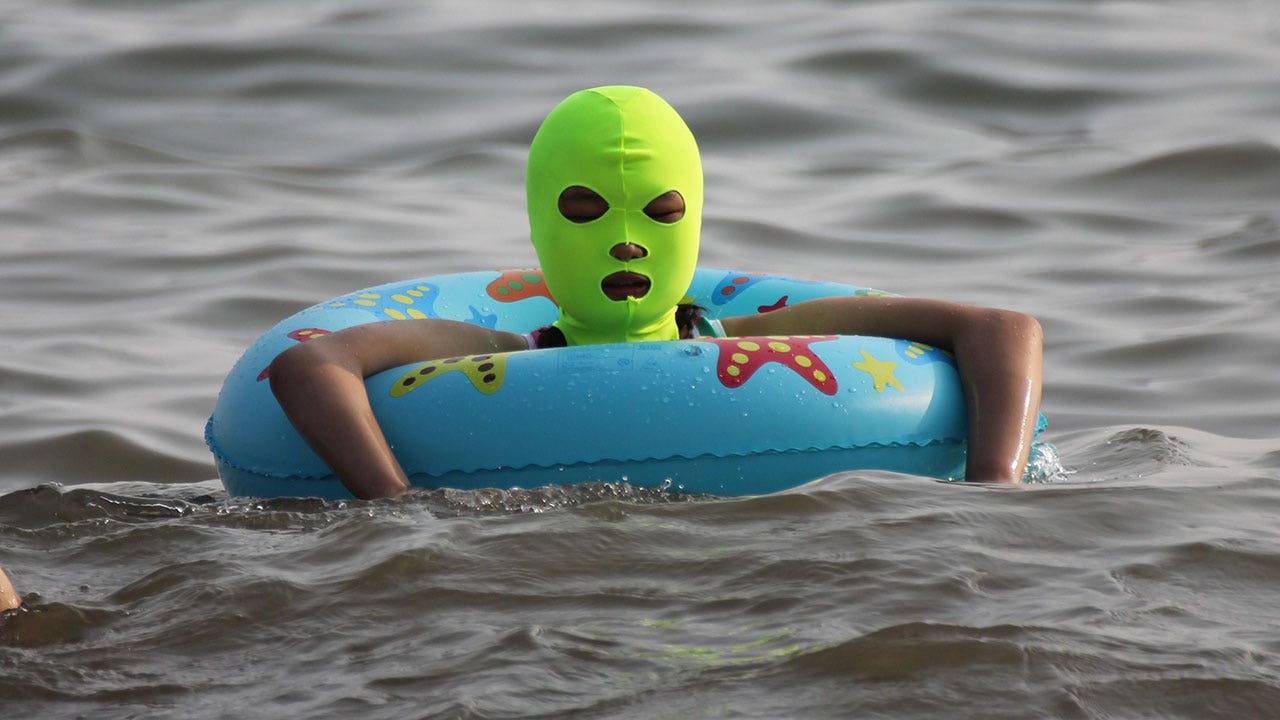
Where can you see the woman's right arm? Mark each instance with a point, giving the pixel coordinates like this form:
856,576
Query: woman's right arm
320,386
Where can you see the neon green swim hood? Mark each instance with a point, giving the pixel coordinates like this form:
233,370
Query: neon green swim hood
629,146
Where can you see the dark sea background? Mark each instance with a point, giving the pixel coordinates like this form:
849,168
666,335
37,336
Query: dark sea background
177,176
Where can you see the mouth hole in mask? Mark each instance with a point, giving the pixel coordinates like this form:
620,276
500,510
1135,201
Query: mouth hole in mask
623,284
580,204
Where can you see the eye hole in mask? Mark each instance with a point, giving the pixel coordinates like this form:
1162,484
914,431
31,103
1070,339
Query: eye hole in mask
667,208
581,205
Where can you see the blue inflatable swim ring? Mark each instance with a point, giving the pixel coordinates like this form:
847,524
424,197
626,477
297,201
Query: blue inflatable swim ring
734,416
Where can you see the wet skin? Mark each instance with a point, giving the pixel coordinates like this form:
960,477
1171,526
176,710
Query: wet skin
9,598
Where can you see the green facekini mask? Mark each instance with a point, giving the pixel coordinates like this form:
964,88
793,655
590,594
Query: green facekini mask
629,146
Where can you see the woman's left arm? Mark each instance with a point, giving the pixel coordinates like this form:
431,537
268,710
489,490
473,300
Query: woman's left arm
9,597
999,354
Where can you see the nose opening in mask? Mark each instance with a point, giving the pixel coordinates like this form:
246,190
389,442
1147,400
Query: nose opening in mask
625,251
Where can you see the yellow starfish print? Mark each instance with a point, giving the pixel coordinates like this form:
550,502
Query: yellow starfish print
881,371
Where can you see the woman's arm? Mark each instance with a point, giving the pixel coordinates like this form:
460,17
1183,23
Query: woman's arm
998,352
9,597
320,385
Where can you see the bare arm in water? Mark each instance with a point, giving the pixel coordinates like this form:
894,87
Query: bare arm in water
998,353
320,384
9,598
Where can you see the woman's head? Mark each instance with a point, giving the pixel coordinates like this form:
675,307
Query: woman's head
615,210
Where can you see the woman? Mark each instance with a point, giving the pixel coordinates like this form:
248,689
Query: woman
614,189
